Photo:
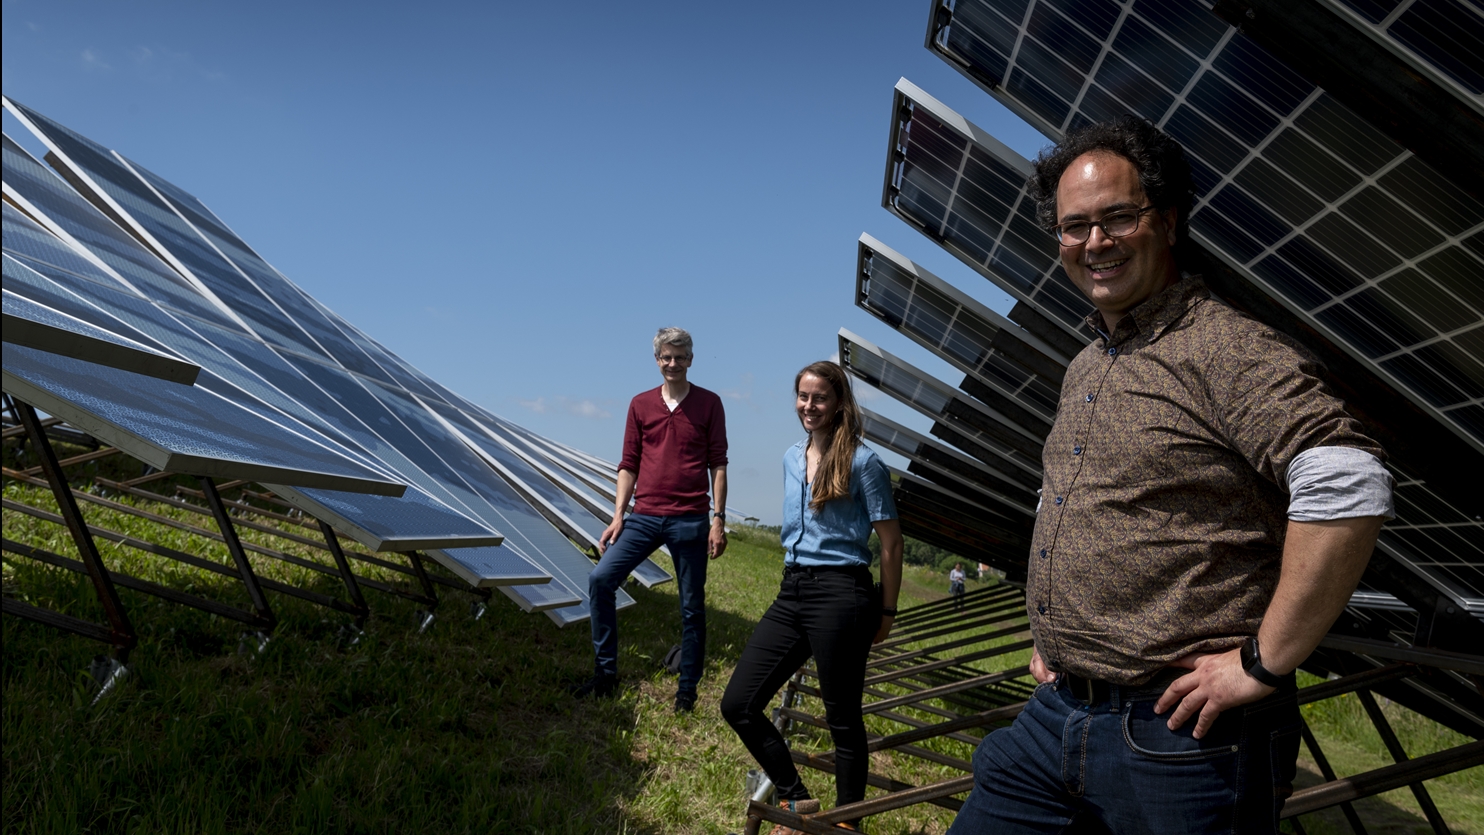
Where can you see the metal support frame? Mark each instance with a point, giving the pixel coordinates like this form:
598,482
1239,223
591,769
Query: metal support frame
120,631
923,675
260,618
239,556
351,587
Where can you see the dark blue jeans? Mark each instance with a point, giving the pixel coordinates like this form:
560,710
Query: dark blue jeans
641,536
1065,766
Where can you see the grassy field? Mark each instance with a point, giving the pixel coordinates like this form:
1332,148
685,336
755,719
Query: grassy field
464,728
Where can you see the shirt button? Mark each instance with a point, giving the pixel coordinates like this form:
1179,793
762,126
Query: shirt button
1058,499
1112,352
1076,450
1089,398
1043,553
1041,609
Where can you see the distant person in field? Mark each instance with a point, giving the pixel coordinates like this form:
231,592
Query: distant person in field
675,437
956,579
835,493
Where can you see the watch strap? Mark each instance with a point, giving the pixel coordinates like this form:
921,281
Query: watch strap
1252,663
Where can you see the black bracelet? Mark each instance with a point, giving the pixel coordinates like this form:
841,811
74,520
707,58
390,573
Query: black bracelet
888,611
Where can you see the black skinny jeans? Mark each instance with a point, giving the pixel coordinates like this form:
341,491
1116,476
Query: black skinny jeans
832,614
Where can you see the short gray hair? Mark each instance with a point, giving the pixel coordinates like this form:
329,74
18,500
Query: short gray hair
679,337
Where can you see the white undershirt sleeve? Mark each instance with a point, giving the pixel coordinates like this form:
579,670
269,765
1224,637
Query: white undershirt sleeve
1338,482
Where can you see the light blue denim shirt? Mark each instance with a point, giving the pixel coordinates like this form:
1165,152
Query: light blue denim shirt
837,535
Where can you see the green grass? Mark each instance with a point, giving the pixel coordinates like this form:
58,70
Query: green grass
465,728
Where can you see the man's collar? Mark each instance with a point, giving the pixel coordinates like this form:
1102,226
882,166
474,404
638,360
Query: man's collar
1155,315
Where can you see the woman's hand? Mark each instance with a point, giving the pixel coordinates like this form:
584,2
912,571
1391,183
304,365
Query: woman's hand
886,621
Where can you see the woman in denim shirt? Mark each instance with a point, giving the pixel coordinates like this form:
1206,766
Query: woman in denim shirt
836,491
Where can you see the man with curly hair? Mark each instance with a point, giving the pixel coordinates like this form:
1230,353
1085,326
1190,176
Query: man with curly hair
1208,506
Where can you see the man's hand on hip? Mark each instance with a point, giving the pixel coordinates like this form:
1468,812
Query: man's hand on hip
1216,682
610,534
1039,671
716,541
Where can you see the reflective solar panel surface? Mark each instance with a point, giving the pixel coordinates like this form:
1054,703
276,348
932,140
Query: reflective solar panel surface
185,429
1375,247
117,247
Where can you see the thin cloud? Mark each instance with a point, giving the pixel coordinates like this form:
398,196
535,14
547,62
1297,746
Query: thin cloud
589,409
93,61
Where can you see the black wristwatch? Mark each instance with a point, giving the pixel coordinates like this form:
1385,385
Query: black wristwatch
1252,663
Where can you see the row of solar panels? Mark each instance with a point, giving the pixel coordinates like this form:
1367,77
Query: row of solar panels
135,314
1307,216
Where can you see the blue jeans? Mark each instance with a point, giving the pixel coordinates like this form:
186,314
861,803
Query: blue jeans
1114,766
641,535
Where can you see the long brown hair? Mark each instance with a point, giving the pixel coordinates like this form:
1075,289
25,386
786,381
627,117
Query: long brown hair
832,479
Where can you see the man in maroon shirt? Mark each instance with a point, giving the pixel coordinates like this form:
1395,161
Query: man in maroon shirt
675,434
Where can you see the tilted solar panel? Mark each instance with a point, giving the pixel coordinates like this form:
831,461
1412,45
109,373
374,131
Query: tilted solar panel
36,326
185,429
1014,452
1362,238
990,485
1022,372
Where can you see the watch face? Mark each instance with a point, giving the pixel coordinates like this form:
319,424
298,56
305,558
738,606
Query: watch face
1250,657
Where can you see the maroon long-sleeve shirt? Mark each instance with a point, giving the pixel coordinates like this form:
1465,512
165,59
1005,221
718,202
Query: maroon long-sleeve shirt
670,452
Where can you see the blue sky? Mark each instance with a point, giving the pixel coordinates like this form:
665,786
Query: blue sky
514,196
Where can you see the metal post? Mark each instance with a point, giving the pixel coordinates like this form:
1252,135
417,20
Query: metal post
1329,777
122,631
351,586
239,556
1394,745
424,617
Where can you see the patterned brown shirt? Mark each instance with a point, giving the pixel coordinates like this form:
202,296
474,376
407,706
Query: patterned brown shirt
1163,507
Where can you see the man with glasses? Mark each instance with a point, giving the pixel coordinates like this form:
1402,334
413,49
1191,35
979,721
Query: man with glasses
1207,508
675,435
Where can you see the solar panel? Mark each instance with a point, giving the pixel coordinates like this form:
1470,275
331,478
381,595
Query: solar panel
1360,237
966,191
943,520
1013,451
1445,38
185,429
36,326
1013,371
990,488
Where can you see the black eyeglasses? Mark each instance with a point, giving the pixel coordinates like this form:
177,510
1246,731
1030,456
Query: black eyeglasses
1115,225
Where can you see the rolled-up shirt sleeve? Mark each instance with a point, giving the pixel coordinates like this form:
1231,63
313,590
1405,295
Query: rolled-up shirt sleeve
875,482
1338,482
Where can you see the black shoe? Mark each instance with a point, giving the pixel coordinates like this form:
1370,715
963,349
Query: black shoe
685,703
600,686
